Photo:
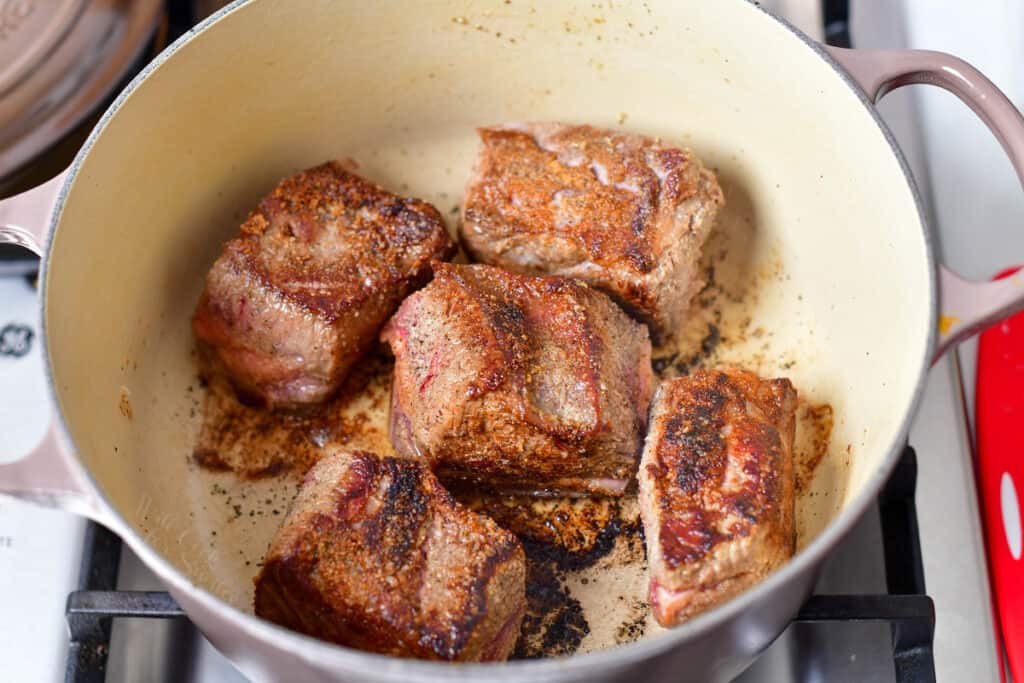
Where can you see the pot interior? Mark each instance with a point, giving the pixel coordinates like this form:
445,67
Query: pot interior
820,258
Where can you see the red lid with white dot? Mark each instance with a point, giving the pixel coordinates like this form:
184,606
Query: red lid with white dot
1000,428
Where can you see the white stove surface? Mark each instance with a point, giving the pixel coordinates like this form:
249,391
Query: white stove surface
39,549
978,205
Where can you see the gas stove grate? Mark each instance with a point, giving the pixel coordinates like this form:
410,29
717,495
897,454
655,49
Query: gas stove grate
908,611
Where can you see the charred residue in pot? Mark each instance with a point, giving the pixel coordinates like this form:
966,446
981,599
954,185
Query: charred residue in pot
635,625
554,623
564,538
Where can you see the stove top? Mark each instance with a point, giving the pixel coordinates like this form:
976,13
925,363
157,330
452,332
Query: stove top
869,619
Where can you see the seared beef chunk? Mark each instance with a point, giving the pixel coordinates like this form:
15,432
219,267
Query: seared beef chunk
716,488
375,554
625,213
534,384
302,292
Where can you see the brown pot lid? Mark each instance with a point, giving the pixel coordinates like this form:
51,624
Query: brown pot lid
59,60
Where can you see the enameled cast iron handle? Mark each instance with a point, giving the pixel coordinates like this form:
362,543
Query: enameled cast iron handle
24,218
46,475
965,307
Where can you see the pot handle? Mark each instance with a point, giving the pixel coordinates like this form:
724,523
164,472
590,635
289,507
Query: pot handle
25,217
47,477
965,307
47,474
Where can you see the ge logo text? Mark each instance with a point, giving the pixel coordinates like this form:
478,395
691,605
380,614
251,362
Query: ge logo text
15,340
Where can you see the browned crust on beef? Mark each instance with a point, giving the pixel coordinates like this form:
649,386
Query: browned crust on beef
376,555
536,384
318,267
623,212
716,487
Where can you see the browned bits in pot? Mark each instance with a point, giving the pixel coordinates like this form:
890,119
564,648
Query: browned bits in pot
255,443
124,403
813,433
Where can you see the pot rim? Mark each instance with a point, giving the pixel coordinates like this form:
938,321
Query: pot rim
323,653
